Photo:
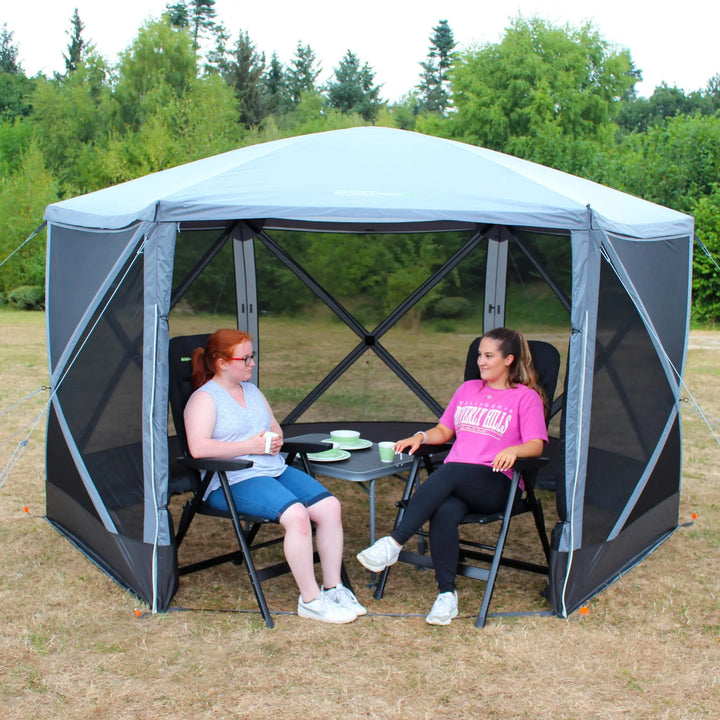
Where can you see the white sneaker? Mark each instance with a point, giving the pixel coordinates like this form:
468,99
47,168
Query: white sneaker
345,597
324,609
381,554
444,609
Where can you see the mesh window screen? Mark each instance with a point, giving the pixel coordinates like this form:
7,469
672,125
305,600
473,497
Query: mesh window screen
631,403
101,399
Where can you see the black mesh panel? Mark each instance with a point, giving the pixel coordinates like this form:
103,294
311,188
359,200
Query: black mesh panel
101,399
631,403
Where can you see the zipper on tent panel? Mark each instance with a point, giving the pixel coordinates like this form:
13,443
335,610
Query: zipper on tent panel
495,278
246,288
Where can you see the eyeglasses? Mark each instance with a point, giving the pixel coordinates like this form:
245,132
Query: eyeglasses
247,359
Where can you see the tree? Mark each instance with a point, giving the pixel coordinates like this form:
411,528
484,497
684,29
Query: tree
673,164
159,65
77,47
434,86
243,72
197,16
15,87
23,198
302,73
543,93
706,275
352,90
8,52
274,84
73,117
666,102
178,15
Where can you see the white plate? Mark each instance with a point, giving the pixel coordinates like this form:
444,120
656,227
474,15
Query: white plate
359,445
332,455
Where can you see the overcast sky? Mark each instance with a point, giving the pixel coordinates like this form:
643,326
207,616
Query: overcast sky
672,42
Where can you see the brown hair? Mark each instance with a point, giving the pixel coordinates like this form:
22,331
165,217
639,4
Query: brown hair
521,370
219,345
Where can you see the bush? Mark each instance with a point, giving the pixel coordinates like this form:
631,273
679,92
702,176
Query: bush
452,307
28,297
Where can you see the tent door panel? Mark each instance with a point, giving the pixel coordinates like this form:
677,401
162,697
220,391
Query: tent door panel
246,288
495,279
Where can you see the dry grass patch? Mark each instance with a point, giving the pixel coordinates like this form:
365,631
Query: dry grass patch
72,647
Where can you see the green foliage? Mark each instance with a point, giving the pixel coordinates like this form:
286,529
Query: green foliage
434,86
640,114
8,52
27,297
73,116
243,72
15,96
673,164
77,49
452,307
706,273
15,138
23,197
353,89
157,68
543,93
300,77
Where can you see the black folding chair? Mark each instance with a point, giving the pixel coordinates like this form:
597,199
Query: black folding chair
546,359
202,470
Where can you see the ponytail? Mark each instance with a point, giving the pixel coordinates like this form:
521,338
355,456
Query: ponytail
219,346
521,370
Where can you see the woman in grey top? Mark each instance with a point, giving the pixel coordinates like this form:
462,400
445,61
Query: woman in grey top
227,417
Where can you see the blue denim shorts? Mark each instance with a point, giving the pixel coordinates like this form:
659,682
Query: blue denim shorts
268,496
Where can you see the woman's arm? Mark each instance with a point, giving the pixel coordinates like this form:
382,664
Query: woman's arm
506,458
438,435
199,424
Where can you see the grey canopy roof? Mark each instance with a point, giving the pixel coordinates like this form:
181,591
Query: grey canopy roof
370,174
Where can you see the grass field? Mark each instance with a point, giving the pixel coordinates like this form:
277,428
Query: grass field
72,645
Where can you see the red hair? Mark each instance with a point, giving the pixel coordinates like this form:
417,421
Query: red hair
219,346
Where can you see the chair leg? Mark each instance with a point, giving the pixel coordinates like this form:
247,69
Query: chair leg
249,564
539,517
345,578
409,487
497,555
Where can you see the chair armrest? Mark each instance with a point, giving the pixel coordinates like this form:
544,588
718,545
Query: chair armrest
529,463
424,450
300,446
215,464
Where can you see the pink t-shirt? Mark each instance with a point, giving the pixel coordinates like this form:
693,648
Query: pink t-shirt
486,421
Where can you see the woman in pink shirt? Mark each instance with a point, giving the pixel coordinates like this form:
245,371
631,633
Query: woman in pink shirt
494,421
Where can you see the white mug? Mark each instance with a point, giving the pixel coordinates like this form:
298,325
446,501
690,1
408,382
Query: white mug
269,435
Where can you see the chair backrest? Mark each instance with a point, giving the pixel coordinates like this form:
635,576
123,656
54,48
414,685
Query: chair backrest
546,360
180,389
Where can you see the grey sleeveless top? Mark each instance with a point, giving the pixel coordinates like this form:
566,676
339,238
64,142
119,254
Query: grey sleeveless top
233,422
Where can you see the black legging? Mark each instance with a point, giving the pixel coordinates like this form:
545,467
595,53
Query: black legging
447,495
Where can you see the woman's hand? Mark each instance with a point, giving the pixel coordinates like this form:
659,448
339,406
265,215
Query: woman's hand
275,443
413,443
437,435
506,458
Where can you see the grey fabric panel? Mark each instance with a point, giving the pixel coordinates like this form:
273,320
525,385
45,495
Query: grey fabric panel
586,275
159,251
658,269
79,262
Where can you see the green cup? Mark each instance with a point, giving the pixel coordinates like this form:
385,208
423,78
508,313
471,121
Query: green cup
387,451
